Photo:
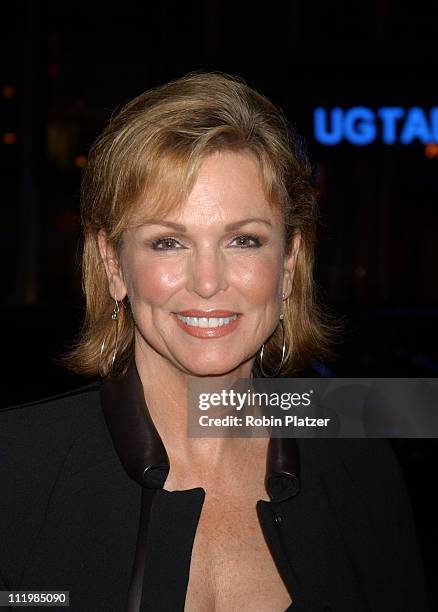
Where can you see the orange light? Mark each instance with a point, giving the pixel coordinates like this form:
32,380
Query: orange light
431,150
80,161
9,138
8,91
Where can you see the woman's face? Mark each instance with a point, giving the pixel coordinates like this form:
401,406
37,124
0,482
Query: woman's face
205,285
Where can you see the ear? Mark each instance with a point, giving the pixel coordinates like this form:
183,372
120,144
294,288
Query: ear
116,284
289,264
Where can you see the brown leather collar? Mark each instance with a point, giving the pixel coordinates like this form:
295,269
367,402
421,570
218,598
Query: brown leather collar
141,450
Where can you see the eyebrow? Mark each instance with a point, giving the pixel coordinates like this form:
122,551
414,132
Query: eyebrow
229,227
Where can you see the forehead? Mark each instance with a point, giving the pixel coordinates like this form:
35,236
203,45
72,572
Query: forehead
228,184
230,169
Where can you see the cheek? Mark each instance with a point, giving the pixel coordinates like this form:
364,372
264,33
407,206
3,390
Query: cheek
259,280
153,282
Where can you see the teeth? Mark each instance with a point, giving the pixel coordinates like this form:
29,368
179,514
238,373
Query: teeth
207,321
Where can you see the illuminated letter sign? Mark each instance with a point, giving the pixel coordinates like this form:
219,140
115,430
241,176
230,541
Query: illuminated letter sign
360,125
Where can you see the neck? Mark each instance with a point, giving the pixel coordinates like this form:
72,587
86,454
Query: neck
166,388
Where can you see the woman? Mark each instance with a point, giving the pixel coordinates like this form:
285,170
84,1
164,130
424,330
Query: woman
199,229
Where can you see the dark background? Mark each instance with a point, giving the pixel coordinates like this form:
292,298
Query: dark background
65,67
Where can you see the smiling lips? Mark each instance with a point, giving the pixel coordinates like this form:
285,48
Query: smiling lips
207,324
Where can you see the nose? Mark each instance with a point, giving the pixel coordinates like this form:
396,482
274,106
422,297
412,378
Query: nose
206,274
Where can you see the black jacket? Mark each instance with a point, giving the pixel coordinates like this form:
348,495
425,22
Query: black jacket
83,509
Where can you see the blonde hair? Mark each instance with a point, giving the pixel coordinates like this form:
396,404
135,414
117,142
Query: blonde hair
151,151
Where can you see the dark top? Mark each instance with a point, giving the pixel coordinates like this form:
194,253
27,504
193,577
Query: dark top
83,509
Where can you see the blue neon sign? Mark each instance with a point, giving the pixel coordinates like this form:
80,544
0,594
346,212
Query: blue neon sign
361,125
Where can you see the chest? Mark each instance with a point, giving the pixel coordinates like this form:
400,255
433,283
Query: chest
231,566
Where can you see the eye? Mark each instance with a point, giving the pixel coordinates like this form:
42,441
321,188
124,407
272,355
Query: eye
166,244
244,241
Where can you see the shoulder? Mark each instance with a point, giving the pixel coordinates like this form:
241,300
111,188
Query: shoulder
370,461
51,413
362,472
35,437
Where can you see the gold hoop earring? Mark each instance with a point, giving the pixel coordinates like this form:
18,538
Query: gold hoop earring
114,317
283,352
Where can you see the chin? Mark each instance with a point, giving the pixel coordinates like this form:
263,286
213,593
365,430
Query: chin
202,367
